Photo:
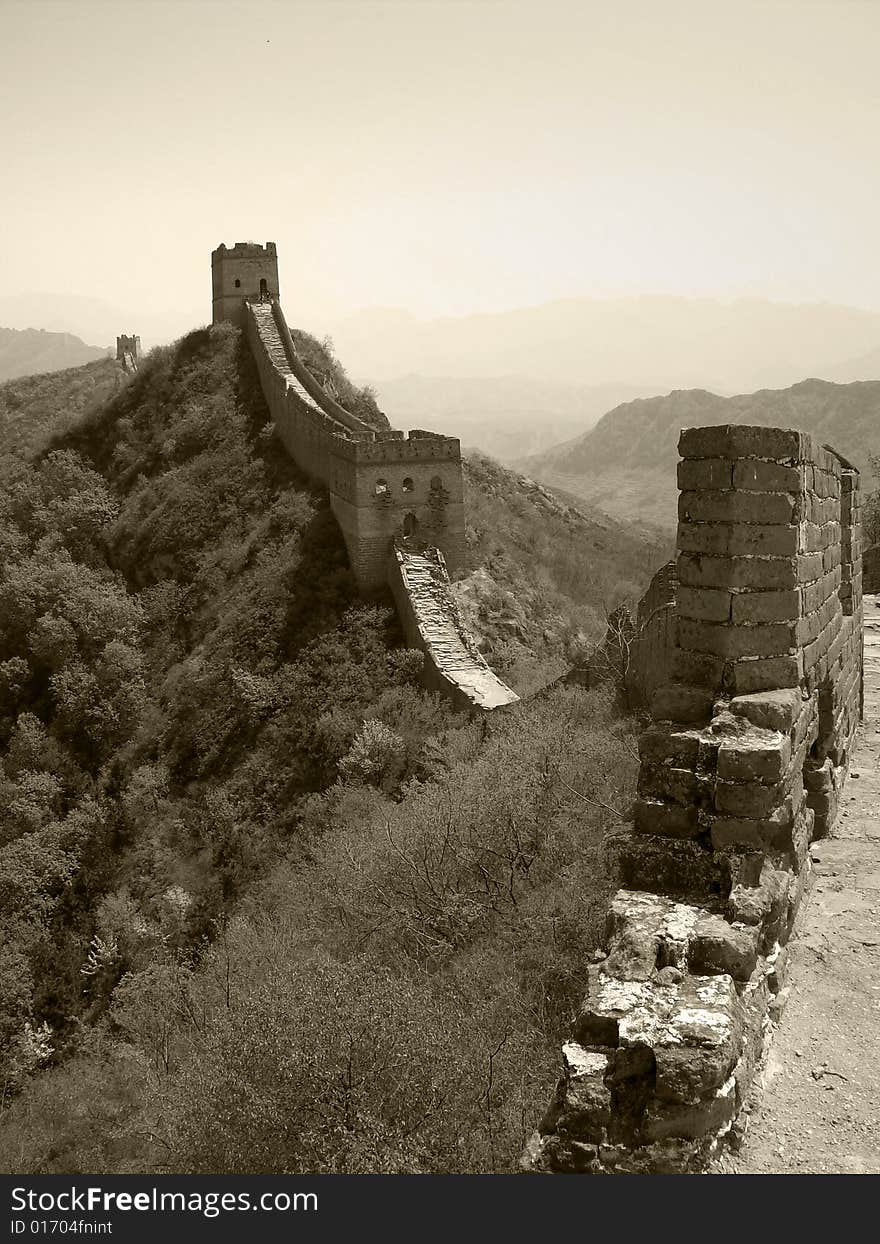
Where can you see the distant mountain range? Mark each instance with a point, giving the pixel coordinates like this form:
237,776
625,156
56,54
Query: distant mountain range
30,351
650,343
507,417
626,464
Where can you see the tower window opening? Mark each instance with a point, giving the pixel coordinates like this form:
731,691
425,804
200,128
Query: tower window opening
408,485
237,283
382,489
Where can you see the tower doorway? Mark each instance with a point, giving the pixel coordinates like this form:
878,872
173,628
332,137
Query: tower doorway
410,525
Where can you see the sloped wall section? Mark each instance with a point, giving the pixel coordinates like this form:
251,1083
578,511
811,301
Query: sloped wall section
432,621
741,769
382,485
386,490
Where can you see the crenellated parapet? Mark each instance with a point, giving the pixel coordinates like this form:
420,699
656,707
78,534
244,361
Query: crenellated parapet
741,769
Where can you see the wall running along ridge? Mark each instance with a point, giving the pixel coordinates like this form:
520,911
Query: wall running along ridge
741,769
387,490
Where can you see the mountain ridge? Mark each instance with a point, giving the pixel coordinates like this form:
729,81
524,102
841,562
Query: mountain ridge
32,351
626,463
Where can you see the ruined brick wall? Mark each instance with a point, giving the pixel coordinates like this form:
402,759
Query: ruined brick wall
432,621
741,769
652,647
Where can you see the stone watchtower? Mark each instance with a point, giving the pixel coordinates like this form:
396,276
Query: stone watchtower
245,270
128,352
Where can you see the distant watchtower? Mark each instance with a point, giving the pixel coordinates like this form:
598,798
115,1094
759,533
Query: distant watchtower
245,270
128,352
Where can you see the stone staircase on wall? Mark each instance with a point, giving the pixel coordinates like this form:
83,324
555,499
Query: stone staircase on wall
432,621
270,335
314,427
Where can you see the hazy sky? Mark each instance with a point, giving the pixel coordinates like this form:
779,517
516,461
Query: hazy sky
441,157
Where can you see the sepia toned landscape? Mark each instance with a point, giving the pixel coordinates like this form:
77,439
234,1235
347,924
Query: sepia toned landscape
440,636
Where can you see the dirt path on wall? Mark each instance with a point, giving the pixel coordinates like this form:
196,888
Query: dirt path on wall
817,1108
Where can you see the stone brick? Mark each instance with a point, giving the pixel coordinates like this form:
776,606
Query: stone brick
583,1108
736,507
771,710
706,604
742,441
692,1119
699,668
735,642
667,783
764,607
718,946
747,799
758,574
672,820
681,702
765,674
809,567
711,473
738,539
752,474
754,757
697,1048
659,746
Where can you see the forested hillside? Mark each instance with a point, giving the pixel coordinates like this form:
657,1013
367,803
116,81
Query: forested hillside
34,408
266,904
626,463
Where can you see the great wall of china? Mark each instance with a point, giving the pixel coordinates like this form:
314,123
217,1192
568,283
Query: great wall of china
741,770
747,652
398,499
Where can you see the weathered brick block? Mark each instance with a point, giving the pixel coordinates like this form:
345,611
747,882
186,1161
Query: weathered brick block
681,702
754,757
757,573
809,567
738,539
736,507
714,473
717,946
735,642
752,800
705,604
668,783
669,820
701,669
749,473
771,710
765,674
676,748
743,441
691,1120
764,607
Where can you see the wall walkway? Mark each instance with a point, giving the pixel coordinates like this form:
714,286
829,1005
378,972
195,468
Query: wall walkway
383,487
432,621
